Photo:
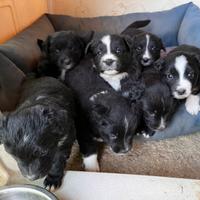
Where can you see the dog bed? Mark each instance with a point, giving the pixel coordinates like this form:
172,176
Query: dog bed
171,157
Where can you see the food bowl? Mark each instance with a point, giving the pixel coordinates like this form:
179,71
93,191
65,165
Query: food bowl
25,192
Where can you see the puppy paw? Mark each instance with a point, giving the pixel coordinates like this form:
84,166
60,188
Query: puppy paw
52,182
192,104
91,163
146,135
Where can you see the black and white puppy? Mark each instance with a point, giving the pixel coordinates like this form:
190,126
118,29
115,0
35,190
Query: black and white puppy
39,134
113,59
157,103
61,51
103,115
147,46
181,69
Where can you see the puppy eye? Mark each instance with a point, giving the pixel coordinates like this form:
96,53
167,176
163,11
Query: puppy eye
113,136
190,74
139,48
57,51
153,48
169,76
99,52
152,114
118,50
71,48
104,123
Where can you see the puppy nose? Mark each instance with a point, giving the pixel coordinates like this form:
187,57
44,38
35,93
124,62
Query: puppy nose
181,91
121,151
109,62
145,60
66,61
161,128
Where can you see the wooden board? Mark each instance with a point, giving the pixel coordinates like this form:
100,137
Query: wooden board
15,15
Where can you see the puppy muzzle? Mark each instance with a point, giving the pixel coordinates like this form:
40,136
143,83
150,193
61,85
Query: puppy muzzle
181,94
146,61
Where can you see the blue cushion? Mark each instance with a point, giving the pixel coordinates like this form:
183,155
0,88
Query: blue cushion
165,24
189,32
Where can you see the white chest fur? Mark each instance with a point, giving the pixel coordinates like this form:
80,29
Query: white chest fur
114,80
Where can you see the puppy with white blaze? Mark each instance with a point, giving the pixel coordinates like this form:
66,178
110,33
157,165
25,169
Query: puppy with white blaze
40,133
113,59
102,114
147,46
181,69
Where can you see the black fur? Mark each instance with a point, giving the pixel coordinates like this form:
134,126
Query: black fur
123,72
157,102
166,66
101,113
61,51
139,43
39,134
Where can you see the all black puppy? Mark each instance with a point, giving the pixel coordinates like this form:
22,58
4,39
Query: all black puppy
147,46
181,69
61,51
39,134
103,115
157,103
113,59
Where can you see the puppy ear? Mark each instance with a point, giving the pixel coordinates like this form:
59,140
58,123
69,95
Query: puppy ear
159,64
44,45
196,56
88,48
87,37
162,45
128,41
40,43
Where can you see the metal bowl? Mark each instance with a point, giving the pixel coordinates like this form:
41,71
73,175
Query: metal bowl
25,192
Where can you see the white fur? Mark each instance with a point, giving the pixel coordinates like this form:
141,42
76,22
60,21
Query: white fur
192,104
183,82
162,124
146,135
62,140
98,139
147,53
40,97
30,177
26,138
94,96
114,80
62,75
91,163
111,72
126,124
106,40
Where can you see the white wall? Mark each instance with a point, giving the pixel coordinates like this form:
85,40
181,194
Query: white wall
91,8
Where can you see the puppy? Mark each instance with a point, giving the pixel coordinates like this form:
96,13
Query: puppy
61,51
157,103
181,69
147,46
39,134
103,114
113,59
